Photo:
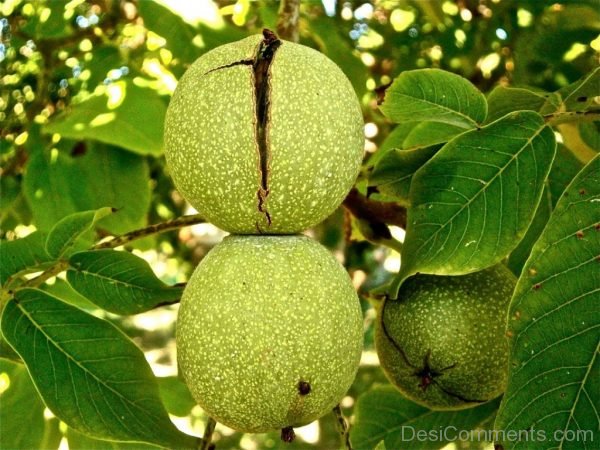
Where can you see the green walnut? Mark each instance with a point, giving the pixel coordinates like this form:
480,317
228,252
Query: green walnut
264,136
443,343
269,333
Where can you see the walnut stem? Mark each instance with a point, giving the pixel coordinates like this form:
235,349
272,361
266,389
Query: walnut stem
205,443
287,23
342,427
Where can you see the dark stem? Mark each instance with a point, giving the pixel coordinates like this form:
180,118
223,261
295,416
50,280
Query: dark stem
205,443
374,211
288,435
342,427
287,23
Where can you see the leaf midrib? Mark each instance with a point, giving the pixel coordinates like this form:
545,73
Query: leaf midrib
483,188
77,363
454,112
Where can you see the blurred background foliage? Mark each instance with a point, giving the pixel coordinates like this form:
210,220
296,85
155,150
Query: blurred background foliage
85,86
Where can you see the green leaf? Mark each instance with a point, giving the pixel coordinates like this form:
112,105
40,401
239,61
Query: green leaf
578,96
48,22
78,441
393,141
427,134
54,189
383,413
436,96
393,173
185,42
119,282
22,413
22,254
88,372
554,372
105,57
176,396
590,134
64,292
11,189
7,352
123,114
340,50
179,34
473,201
565,167
518,257
503,100
63,236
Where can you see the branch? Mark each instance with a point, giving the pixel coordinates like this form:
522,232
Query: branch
342,427
557,118
149,230
62,265
287,23
375,212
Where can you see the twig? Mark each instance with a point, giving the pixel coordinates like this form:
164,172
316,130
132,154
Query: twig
50,272
557,118
62,265
373,211
342,427
205,444
287,23
149,230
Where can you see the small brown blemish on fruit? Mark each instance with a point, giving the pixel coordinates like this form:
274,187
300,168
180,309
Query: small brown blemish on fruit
304,387
597,227
582,192
579,234
509,334
537,286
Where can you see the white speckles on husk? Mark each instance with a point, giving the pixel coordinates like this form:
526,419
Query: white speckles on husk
460,321
314,135
259,315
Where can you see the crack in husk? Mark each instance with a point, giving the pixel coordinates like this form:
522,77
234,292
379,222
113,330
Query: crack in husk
262,90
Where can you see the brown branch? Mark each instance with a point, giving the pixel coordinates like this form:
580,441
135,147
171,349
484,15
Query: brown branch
287,23
373,211
149,230
342,427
